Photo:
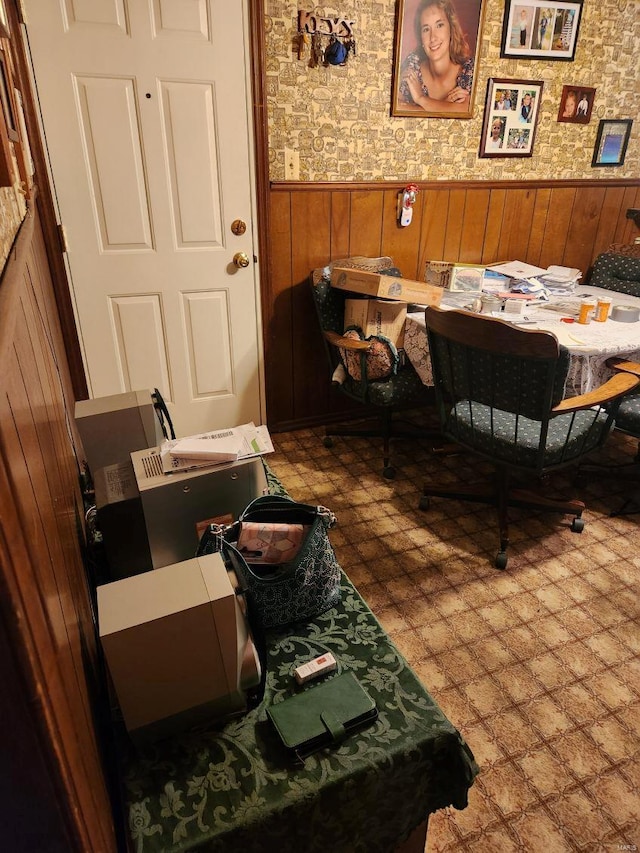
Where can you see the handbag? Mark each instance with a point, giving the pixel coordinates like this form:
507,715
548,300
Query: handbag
299,587
322,716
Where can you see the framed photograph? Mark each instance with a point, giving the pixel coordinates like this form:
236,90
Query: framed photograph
467,279
611,142
5,33
576,104
510,117
436,54
6,93
535,29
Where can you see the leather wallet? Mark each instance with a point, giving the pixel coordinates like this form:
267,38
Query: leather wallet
323,715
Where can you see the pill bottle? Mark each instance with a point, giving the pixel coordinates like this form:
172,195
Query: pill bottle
587,310
602,308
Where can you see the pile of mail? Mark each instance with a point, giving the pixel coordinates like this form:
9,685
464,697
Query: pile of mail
538,282
215,448
560,280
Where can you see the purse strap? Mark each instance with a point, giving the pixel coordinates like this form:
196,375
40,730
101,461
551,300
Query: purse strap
276,508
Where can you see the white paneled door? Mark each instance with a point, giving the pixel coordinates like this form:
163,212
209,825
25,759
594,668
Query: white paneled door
146,113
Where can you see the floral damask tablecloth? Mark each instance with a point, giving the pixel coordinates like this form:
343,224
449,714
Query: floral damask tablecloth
235,788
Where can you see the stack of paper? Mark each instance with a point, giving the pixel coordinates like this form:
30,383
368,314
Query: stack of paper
214,448
560,279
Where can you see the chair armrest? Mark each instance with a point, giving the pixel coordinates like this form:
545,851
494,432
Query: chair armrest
613,388
619,364
337,340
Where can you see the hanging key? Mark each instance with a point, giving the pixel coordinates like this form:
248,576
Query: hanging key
304,43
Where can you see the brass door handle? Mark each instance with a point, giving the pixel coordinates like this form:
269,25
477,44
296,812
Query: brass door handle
241,259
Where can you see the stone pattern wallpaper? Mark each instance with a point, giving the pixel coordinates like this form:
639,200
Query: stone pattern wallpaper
338,118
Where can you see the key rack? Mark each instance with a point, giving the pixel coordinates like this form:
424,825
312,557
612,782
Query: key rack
339,32
308,22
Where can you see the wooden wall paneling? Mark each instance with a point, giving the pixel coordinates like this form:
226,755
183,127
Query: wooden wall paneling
455,222
492,249
39,823
474,226
515,230
45,600
557,226
626,230
278,329
435,207
583,227
401,242
61,580
340,225
538,223
311,239
44,603
612,206
366,224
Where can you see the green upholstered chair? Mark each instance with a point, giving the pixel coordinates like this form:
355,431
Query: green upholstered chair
617,271
499,393
627,420
401,389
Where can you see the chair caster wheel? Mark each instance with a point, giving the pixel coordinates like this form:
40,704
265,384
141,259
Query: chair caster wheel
577,525
501,560
327,441
425,502
389,472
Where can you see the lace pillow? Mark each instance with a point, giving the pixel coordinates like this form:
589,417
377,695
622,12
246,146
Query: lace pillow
382,358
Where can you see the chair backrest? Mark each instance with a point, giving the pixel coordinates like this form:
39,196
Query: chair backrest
329,301
493,380
614,271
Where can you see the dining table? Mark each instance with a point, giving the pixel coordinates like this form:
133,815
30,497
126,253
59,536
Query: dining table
590,345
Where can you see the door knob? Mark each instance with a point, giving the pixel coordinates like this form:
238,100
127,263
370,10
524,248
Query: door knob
241,259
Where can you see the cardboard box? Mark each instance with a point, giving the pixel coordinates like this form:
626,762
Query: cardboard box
377,317
174,640
385,286
465,278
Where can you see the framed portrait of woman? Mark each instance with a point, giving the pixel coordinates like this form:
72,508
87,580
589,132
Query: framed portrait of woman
436,52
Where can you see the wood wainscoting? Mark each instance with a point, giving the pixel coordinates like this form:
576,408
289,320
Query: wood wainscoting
54,782
543,223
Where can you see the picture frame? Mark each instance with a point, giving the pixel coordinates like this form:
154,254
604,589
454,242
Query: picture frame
541,29
611,142
5,32
416,19
6,99
576,104
510,117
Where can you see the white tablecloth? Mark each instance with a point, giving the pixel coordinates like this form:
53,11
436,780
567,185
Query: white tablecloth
590,345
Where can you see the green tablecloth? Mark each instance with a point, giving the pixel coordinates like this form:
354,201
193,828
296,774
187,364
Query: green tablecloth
235,788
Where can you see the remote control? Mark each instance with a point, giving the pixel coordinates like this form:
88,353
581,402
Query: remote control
314,668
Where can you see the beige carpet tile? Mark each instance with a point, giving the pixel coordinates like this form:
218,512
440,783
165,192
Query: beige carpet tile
538,666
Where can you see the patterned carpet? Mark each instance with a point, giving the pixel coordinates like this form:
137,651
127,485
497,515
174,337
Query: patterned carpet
538,666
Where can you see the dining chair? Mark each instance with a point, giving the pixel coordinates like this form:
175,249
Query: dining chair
371,372
627,420
617,271
499,393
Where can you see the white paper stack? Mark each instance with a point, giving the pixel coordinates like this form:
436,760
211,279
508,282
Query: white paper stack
220,447
215,448
561,280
